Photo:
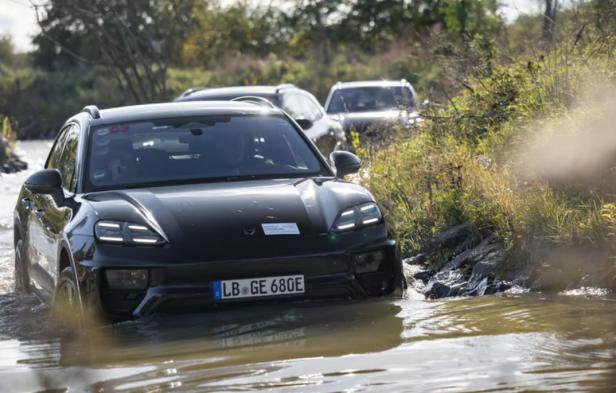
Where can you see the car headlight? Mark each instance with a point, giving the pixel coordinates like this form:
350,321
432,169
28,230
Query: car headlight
119,232
358,217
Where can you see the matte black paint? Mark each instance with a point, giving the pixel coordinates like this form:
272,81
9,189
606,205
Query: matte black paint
213,231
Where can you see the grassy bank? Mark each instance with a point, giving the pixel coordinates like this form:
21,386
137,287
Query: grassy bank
527,153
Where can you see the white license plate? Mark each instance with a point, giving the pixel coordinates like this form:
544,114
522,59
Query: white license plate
258,287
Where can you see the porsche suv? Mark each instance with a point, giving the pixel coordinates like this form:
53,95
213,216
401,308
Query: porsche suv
185,206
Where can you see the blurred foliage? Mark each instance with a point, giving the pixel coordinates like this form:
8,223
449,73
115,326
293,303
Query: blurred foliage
116,52
135,41
7,137
7,133
39,101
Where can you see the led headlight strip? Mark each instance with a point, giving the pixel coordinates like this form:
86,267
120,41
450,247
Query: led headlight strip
358,217
120,232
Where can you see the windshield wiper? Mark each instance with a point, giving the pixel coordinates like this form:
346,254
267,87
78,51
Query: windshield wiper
319,179
172,182
241,177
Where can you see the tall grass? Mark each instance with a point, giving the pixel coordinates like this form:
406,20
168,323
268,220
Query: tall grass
470,160
7,138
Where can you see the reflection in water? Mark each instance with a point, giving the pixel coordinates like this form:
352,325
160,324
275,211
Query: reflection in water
508,342
245,335
193,349
521,342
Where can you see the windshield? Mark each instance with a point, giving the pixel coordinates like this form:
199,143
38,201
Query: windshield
371,99
273,98
197,148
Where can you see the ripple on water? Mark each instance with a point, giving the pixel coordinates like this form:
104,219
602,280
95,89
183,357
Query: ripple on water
587,291
6,261
23,317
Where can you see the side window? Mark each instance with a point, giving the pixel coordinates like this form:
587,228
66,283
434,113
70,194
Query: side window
68,158
407,96
315,107
300,106
56,151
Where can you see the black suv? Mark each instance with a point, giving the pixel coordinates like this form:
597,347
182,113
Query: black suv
302,106
167,207
371,107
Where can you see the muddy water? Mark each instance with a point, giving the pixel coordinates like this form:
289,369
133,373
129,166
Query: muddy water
516,342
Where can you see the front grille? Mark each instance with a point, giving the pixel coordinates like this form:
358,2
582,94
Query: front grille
201,273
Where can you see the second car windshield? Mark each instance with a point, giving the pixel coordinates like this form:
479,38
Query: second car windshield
369,99
197,148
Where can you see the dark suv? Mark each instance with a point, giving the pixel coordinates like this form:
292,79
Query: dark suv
302,106
371,107
180,206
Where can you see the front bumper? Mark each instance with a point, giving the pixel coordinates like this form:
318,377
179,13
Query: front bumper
188,287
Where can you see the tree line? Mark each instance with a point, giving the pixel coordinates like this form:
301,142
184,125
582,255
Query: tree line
138,40
116,52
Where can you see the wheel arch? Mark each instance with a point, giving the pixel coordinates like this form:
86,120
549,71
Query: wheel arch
65,260
17,230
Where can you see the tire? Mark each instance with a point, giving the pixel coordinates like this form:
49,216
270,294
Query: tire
66,307
22,276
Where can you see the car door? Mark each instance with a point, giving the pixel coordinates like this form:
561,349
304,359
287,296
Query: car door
48,218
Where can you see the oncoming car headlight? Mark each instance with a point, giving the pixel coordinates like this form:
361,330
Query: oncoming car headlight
119,232
358,217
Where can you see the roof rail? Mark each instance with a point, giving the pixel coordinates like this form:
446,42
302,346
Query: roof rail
92,110
191,90
255,100
284,86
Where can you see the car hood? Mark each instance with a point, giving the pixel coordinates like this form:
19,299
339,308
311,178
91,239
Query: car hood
230,214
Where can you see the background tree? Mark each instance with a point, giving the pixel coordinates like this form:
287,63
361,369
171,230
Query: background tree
136,39
549,19
233,31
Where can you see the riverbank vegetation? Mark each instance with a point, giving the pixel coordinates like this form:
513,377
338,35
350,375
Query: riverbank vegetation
511,150
526,151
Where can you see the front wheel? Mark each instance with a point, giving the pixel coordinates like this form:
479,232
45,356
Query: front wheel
22,276
67,302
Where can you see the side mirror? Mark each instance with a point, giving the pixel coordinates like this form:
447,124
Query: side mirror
46,181
345,162
304,123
